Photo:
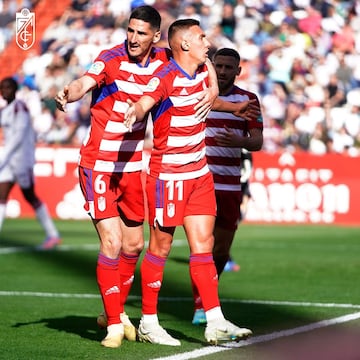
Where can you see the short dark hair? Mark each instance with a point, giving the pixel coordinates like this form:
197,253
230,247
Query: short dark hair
181,24
148,14
227,52
11,81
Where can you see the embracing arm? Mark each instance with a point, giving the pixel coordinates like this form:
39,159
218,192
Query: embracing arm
209,95
248,110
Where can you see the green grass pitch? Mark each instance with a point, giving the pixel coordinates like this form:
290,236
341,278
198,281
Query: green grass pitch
298,290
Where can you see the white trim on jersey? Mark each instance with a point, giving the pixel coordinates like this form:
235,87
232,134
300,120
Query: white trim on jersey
159,216
223,151
183,121
227,187
120,128
130,87
124,145
134,68
186,100
185,175
120,106
180,141
225,170
111,166
235,97
178,159
180,81
222,115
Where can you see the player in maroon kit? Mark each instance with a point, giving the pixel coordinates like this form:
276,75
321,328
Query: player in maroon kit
179,185
226,136
110,161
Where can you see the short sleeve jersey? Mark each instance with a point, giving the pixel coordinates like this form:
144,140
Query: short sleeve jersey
19,137
225,162
178,136
109,146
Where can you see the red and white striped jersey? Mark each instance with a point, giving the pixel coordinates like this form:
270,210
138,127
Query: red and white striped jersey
109,146
179,137
225,162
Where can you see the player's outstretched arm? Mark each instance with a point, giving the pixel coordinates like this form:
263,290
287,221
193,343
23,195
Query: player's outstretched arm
74,91
137,110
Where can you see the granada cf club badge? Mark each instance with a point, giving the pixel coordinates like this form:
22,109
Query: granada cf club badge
25,29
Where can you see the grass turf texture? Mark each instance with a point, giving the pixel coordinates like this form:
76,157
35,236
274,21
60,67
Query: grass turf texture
49,300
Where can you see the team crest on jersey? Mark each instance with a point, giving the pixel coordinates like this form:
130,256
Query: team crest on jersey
171,210
101,203
153,84
96,68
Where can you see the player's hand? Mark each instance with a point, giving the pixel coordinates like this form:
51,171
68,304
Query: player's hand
130,115
248,109
206,100
227,137
61,98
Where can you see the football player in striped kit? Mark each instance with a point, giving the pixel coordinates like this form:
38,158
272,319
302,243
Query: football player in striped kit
110,161
226,136
179,185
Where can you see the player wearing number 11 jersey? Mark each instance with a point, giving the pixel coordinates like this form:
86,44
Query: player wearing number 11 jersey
179,186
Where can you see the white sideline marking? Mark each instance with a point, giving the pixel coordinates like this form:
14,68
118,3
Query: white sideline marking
177,299
262,338
86,247
226,346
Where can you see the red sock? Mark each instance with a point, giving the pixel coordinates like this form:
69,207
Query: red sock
107,272
204,277
152,271
197,299
127,266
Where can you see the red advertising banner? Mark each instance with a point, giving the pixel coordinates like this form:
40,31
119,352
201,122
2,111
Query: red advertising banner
56,183
303,188
285,188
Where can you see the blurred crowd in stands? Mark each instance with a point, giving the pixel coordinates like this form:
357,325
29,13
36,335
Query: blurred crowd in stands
302,58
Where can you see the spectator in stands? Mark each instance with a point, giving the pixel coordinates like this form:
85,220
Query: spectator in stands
257,25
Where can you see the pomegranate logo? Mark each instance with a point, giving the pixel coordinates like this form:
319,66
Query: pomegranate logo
25,29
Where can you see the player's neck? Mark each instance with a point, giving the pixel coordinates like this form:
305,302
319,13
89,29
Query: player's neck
225,91
188,66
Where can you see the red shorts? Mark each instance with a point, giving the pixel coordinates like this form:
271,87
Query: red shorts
169,201
110,194
228,209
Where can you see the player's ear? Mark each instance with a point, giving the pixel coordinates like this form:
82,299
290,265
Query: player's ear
185,45
156,37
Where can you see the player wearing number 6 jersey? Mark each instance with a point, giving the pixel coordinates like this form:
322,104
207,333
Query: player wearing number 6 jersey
179,186
111,160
